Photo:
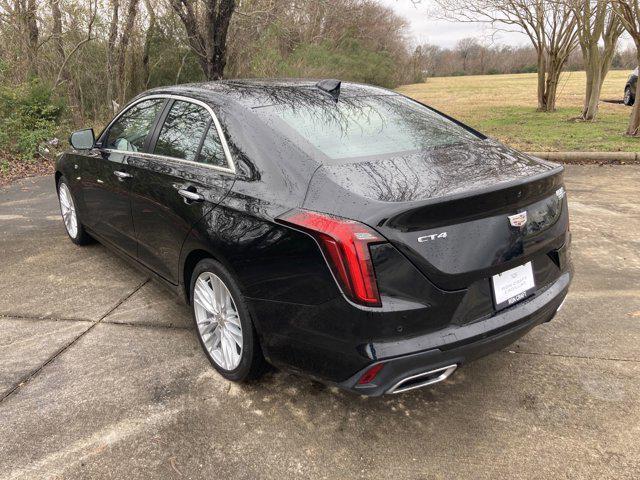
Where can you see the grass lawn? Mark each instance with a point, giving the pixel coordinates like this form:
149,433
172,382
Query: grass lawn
504,107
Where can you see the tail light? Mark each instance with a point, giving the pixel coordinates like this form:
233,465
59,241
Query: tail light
371,374
345,244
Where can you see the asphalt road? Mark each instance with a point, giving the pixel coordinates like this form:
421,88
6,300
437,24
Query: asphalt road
101,375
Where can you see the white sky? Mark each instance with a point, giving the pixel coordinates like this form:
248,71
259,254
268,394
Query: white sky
425,28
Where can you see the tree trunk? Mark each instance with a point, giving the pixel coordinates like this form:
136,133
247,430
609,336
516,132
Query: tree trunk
208,36
553,77
591,111
121,55
147,43
111,46
548,82
597,64
595,80
218,35
542,71
587,90
33,35
69,83
218,63
548,87
634,120
56,16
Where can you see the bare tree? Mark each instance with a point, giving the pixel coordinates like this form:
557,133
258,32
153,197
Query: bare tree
467,48
111,47
56,30
207,25
549,25
151,13
56,14
57,35
121,49
33,34
629,13
598,32
118,41
21,16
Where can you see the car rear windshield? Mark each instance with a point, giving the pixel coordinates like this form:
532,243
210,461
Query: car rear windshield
367,126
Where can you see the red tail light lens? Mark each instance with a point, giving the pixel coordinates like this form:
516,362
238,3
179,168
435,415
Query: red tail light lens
346,247
370,375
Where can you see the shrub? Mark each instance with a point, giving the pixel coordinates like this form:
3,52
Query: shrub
418,77
348,59
528,69
29,116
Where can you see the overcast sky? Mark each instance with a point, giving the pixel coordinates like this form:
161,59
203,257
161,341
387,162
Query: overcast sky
424,28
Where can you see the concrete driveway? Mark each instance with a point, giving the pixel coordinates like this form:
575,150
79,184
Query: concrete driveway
101,375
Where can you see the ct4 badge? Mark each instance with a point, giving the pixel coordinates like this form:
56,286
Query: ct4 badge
518,220
428,238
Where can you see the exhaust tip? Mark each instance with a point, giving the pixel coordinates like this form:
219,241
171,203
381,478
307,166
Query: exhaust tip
423,379
561,305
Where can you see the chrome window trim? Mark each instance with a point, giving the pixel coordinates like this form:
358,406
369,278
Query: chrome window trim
231,167
153,156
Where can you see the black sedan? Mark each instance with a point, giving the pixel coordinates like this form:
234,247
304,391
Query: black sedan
630,89
339,230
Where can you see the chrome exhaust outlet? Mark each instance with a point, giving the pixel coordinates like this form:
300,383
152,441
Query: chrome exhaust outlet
423,379
561,304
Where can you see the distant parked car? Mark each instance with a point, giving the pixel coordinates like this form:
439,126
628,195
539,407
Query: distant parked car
630,88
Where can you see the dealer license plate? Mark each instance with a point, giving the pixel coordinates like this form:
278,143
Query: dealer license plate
513,285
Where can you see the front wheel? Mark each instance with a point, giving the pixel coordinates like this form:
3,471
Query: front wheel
223,322
69,213
628,97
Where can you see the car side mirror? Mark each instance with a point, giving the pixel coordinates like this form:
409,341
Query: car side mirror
83,139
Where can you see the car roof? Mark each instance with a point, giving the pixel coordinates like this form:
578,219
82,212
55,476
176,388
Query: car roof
254,93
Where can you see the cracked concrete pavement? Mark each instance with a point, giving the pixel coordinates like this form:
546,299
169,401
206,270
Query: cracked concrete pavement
101,375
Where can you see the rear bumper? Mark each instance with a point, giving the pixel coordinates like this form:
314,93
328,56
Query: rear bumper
457,345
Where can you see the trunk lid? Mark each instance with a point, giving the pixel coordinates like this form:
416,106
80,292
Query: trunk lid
448,210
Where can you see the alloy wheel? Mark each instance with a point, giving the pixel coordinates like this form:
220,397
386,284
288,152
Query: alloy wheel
68,210
218,321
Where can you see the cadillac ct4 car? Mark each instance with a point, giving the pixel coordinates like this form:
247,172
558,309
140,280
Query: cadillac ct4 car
338,230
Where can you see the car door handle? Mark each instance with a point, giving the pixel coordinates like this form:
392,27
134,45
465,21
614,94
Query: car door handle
122,175
191,196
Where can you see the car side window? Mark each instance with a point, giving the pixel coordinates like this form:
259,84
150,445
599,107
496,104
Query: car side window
212,152
182,131
130,130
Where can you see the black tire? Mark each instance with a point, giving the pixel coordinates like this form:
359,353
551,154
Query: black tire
252,363
628,99
81,236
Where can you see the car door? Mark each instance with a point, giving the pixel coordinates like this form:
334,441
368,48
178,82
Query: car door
107,175
187,172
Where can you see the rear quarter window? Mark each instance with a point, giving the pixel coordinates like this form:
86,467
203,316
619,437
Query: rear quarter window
182,131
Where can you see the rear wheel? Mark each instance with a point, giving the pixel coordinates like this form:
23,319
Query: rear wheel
628,97
223,322
74,228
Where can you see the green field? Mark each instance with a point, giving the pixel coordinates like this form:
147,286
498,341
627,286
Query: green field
504,107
